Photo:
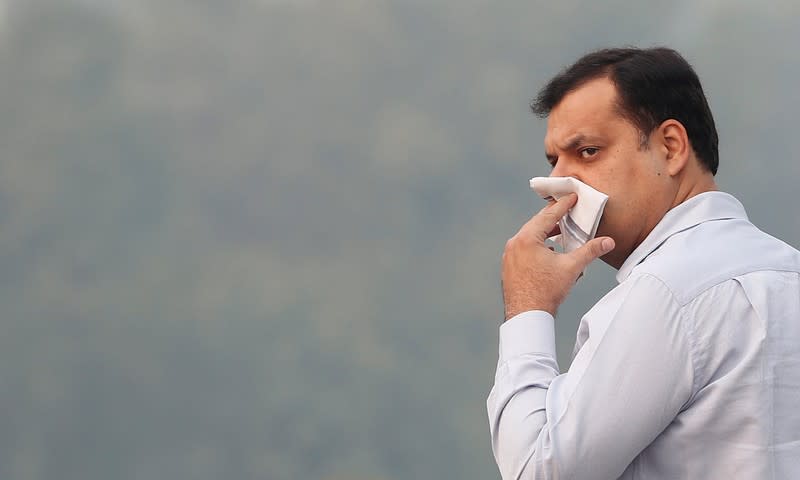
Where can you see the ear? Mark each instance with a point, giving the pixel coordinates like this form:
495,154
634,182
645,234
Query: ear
675,143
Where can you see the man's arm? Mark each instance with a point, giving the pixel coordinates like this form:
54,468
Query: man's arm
626,384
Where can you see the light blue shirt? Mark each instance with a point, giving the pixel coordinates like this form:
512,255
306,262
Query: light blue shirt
688,369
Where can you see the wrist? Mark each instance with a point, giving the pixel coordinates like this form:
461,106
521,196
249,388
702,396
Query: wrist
512,310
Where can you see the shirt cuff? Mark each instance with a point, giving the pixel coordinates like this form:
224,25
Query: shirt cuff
526,333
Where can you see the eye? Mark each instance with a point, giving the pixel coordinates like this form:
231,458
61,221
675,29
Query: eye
588,152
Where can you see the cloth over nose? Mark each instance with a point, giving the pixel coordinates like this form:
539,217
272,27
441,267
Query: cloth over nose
579,225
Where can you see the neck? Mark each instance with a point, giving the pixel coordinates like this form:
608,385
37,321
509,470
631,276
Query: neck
693,184
690,183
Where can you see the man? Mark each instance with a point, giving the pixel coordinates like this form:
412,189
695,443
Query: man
690,367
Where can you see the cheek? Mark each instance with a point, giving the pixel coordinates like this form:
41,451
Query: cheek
629,178
622,208
621,178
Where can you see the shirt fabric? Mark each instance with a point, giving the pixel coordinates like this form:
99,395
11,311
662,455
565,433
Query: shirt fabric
688,369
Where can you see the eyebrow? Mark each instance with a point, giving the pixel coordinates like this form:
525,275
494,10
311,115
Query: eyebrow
572,142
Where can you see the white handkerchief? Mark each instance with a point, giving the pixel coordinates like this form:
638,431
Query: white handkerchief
579,225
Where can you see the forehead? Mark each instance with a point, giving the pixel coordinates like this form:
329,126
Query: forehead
591,109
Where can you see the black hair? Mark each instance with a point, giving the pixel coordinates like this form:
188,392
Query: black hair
653,85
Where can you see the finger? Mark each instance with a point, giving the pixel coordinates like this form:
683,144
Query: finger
555,231
591,250
556,210
551,201
547,219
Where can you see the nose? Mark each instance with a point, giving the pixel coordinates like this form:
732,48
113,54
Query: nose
561,169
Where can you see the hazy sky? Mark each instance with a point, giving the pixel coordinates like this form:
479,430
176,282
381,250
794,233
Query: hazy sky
261,239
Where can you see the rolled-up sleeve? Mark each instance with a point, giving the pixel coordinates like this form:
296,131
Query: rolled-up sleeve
627,382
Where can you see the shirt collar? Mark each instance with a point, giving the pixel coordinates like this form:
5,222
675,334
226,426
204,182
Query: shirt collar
701,208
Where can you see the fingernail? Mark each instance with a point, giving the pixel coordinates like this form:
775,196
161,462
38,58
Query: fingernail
607,244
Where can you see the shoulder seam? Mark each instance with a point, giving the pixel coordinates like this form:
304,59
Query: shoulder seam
701,288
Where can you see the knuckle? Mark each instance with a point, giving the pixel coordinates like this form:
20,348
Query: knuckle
511,245
521,241
547,211
597,248
549,216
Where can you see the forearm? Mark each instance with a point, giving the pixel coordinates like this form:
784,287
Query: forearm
517,403
628,381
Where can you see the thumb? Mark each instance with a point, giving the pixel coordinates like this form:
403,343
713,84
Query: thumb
593,249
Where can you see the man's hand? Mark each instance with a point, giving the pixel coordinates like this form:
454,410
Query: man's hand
534,277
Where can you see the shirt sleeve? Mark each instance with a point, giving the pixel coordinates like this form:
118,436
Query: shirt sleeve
626,384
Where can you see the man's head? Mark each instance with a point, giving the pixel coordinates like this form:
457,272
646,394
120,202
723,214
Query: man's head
653,85
635,125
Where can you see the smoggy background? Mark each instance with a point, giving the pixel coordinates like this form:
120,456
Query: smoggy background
260,239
